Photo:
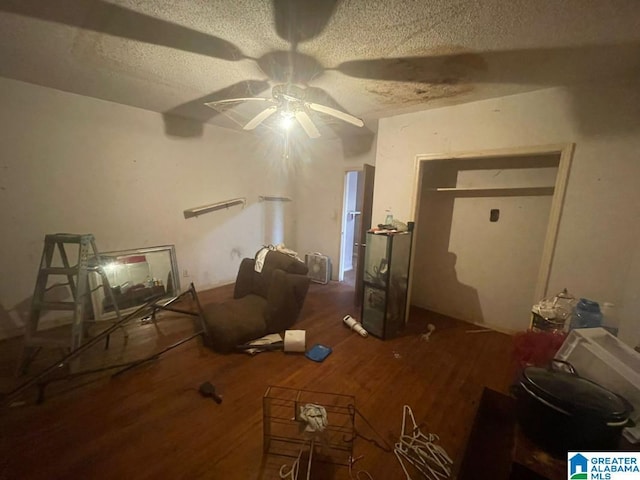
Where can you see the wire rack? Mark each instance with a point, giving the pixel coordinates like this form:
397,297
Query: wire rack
284,431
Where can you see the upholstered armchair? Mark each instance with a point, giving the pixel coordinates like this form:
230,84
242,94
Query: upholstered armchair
263,302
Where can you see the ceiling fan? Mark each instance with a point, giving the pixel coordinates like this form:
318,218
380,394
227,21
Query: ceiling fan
291,71
299,21
290,103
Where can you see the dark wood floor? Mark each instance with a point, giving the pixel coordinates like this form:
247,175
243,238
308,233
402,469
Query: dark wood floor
151,422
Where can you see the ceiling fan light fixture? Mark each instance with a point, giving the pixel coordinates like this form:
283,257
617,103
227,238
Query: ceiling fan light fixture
286,119
290,102
286,122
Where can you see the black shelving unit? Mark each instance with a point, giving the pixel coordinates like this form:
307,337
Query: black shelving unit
386,281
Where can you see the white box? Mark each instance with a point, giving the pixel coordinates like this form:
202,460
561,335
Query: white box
602,358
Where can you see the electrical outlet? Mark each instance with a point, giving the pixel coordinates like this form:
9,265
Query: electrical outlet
185,273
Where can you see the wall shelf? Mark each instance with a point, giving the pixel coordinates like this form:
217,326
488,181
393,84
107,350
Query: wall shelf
194,212
273,198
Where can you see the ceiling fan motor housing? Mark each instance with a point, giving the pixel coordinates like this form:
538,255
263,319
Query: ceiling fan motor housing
288,92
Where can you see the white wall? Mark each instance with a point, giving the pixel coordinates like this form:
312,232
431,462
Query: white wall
74,164
599,230
319,197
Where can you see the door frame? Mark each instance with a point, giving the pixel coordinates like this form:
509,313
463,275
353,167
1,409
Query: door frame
562,177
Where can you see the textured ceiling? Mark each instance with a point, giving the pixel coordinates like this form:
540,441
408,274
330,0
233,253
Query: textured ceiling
372,58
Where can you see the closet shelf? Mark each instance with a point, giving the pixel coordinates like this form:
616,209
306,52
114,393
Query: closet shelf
497,191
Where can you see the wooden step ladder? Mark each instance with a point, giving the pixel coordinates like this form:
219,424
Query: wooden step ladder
77,283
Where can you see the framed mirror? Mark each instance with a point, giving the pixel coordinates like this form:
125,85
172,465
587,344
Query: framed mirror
135,276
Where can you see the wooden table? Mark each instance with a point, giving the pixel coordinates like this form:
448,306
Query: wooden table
497,449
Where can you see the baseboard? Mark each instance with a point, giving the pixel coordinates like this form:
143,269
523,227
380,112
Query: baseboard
482,324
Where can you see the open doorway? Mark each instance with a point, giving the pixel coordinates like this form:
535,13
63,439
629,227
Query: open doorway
351,222
356,220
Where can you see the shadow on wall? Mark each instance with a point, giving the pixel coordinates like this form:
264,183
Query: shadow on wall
465,296
8,326
442,291
607,107
12,321
435,284
592,75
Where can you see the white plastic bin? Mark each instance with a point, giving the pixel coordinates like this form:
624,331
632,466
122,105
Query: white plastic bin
602,358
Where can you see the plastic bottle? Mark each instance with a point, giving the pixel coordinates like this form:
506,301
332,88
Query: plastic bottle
586,314
610,318
389,218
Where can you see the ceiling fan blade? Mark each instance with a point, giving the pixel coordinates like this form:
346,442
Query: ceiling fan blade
104,17
261,117
235,100
301,20
195,109
336,113
427,69
306,123
187,119
533,66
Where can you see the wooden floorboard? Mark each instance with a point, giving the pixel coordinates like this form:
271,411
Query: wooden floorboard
151,422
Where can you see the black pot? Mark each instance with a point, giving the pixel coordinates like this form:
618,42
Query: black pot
562,411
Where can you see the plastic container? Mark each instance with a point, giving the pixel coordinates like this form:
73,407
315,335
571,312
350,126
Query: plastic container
610,318
551,314
586,314
602,358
